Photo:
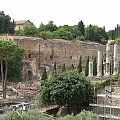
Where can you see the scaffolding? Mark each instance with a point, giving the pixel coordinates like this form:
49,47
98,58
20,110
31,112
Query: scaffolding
107,104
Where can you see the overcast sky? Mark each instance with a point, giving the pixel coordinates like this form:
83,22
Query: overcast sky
96,12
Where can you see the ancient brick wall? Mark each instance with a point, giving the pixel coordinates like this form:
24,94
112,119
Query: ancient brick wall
39,53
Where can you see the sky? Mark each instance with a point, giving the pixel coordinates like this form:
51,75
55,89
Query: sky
64,12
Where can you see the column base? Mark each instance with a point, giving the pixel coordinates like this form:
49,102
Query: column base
90,76
107,74
115,74
99,75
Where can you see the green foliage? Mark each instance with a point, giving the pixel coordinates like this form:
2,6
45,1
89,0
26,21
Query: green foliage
84,115
9,52
95,33
55,67
63,67
118,67
87,67
72,67
46,35
13,54
29,115
44,74
102,85
30,30
66,88
95,67
81,28
50,26
6,26
63,33
82,38
19,32
80,65
41,27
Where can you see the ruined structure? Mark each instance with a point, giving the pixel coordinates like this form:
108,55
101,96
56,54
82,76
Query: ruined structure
41,53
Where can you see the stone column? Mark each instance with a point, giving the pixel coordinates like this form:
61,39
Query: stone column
90,69
99,65
115,61
107,59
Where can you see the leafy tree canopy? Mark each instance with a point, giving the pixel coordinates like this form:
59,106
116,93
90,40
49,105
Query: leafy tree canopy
66,88
6,26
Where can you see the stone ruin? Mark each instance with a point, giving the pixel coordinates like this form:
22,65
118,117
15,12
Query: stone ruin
107,62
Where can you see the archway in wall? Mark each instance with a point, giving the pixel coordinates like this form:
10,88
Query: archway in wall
30,75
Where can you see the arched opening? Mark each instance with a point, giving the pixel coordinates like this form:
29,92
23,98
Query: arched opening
30,75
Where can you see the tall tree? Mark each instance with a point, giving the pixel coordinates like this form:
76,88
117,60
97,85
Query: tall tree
63,67
81,28
72,67
44,74
87,67
51,26
8,51
6,26
30,30
55,67
80,65
41,27
95,67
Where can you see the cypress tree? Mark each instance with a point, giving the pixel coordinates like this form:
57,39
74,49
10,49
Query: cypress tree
72,67
81,28
80,65
63,67
87,67
55,67
102,67
94,67
118,67
44,74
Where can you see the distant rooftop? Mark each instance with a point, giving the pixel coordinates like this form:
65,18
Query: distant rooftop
21,22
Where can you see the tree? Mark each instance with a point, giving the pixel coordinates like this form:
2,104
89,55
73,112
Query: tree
55,67
95,67
6,26
80,65
30,30
63,33
44,74
119,68
72,67
87,67
81,28
8,51
50,26
95,33
68,89
45,35
63,67
41,27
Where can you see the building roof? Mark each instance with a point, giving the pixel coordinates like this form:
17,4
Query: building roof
21,22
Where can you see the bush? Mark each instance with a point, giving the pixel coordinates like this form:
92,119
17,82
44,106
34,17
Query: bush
30,115
84,115
66,88
82,38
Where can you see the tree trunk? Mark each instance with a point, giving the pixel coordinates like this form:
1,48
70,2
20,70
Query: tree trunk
5,81
2,76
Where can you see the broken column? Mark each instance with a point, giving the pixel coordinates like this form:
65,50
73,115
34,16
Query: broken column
115,61
99,64
90,69
107,59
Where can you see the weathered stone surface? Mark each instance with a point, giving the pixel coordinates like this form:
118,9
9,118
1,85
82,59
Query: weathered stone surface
40,53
